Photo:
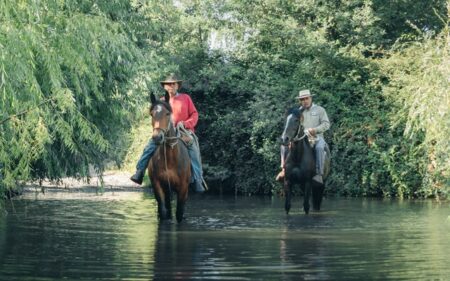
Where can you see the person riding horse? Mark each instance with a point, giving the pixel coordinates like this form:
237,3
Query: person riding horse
184,114
315,121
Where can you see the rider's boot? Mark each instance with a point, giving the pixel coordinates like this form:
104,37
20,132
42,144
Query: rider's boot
198,186
138,176
280,176
318,178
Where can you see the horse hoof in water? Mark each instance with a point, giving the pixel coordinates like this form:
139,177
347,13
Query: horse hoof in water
287,208
180,219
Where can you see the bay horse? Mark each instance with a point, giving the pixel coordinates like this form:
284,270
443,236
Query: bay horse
300,164
170,167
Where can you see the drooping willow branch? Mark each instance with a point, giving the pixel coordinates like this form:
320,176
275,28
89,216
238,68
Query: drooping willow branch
25,111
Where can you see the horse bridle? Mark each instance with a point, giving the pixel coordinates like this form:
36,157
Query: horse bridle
299,130
165,131
311,139
306,134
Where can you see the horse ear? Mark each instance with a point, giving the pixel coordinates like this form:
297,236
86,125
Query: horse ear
294,111
166,96
152,98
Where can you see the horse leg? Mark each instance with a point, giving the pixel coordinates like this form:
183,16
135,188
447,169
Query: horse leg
169,204
317,194
287,194
161,199
306,195
181,202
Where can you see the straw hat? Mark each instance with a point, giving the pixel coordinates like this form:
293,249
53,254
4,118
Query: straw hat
304,94
171,78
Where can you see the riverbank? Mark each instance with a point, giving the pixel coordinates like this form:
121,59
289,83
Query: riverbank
112,181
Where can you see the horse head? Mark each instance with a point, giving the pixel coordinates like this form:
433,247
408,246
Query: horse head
291,128
161,113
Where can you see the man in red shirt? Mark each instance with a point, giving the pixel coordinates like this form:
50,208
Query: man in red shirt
184,112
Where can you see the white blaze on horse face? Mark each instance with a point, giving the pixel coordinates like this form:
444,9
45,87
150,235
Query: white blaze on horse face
290,128
159,113
158,108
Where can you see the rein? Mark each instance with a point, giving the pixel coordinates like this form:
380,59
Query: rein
311,139
297,138
166,141
165,137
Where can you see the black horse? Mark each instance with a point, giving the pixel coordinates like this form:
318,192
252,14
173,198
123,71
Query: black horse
300,163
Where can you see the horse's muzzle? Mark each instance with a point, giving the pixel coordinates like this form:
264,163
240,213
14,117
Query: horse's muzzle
284,140
158,138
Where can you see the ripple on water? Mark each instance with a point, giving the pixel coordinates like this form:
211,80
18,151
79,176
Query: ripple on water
117,236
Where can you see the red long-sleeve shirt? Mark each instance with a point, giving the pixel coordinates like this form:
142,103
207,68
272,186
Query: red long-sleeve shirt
183,110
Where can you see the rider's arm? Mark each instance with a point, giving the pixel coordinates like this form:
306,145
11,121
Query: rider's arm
192,119
324,122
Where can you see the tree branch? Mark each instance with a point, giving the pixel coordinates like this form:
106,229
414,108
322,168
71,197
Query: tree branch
25,111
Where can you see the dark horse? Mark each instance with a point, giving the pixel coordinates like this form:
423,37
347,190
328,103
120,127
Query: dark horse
300,163
170,166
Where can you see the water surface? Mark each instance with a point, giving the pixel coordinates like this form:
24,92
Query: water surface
116,236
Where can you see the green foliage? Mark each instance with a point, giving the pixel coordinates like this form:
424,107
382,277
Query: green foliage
71,77
419,93
282,47
74,77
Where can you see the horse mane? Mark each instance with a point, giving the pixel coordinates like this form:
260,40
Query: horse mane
296,111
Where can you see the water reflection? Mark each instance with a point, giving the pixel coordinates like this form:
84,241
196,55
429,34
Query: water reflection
116,236
84,237
176,254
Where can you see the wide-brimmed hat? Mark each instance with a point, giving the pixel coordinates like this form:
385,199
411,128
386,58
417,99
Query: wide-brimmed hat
171,78
304,94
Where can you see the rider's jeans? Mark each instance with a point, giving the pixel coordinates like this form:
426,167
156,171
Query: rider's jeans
320,155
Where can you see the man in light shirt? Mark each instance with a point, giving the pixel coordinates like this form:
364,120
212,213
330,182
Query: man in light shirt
315,121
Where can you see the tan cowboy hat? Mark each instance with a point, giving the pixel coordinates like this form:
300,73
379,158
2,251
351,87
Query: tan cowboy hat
304,94
171,78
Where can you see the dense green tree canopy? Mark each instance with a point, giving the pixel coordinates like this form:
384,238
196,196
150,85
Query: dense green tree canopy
74,75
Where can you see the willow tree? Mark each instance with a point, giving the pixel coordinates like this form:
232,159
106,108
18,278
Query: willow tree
72,74
419,92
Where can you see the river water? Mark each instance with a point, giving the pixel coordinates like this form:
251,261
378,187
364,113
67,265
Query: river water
116,236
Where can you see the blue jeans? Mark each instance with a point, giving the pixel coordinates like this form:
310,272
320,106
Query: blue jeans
320,155
194,154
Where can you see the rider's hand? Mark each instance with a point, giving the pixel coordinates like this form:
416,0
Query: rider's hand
312,131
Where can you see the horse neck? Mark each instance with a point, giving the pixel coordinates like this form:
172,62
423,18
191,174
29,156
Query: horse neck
171,133
297,148
302,148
